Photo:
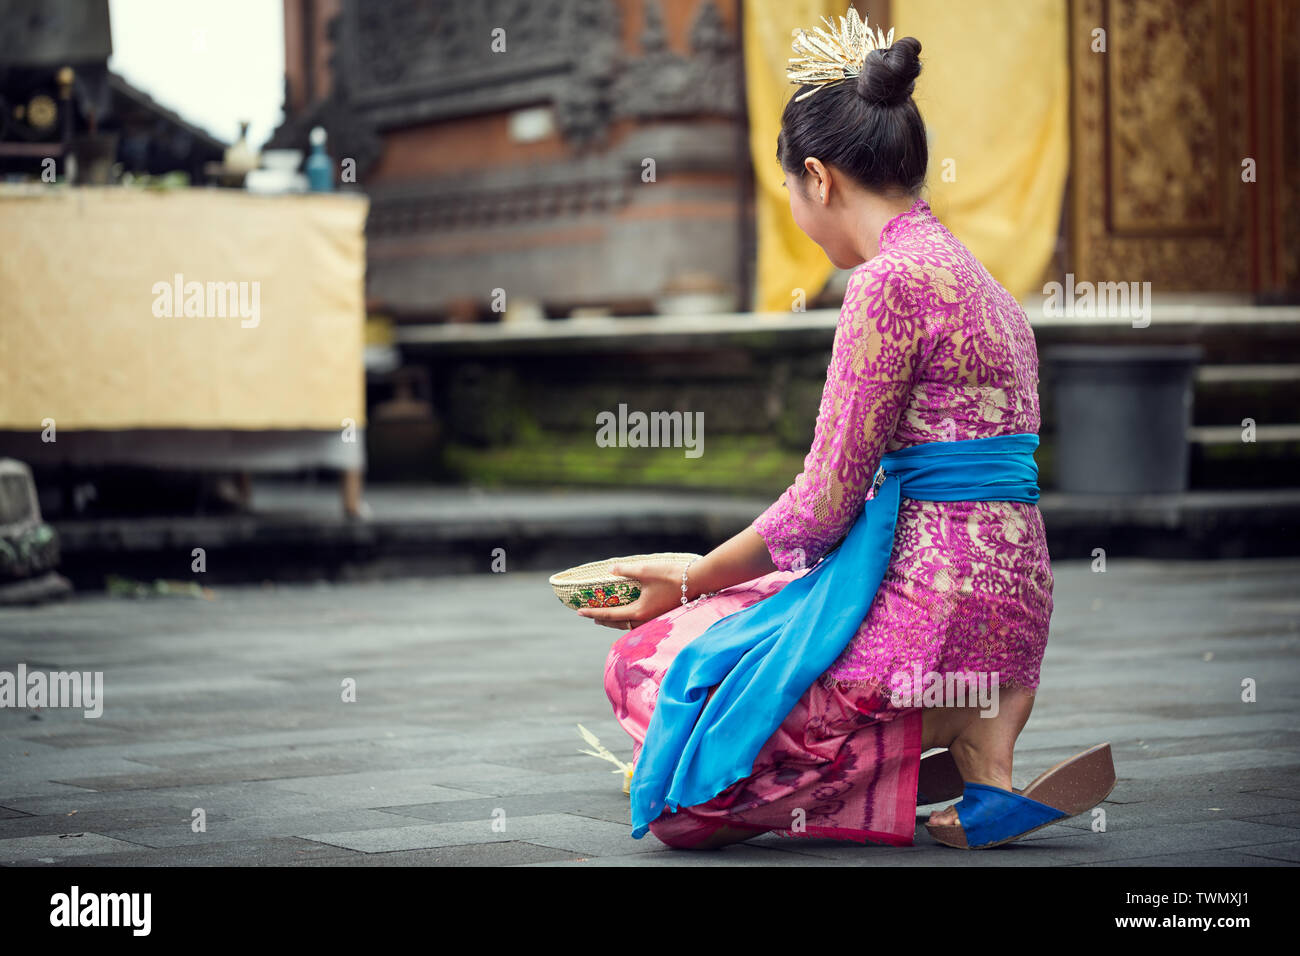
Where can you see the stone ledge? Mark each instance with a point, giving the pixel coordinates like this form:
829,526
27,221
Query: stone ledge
438,531
631,331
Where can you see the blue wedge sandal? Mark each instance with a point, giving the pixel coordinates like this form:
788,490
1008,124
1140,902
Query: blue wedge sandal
991,816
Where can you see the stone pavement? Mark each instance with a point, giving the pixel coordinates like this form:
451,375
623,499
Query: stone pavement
469,690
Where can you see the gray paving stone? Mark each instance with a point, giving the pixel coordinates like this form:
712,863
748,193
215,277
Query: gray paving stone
55,846
509,853
1285,793
277,851
267,770
66,799
499,780
383,786
1290,819
740,855
233,705
1191,858
252,827
232,799
1009,855
1288,852
99,821
313,735
1208,787
1161,768
1186,809
1118,844
557,830
34,734
599,806
360,752
840,851
67,764
25,793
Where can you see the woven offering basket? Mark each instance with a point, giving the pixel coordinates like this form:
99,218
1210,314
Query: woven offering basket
594,585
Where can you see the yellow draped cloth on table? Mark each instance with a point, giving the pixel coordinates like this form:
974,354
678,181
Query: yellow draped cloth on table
994,94
93,334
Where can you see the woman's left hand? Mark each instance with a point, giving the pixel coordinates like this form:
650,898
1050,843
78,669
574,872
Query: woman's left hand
661,591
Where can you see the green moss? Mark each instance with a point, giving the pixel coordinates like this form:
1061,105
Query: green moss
1250,451
745,464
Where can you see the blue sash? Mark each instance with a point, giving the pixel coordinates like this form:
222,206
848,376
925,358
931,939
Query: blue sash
764,657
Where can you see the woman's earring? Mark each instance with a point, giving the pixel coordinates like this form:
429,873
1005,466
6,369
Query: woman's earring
822,195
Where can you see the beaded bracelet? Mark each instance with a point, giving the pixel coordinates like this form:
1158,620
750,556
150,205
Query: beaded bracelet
685,568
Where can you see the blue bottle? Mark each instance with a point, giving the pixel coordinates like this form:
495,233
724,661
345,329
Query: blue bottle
320,168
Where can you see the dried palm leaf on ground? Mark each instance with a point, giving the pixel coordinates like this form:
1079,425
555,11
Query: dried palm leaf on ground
604,753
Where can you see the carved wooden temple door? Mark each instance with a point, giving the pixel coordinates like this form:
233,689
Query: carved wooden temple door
1184,153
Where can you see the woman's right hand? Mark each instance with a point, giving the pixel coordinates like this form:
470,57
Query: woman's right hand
661,591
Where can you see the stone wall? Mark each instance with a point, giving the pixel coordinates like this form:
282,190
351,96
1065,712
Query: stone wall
521,409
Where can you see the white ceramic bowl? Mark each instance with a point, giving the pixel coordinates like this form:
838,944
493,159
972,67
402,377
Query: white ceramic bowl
286,159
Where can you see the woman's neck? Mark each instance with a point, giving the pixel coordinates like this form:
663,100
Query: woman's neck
874,212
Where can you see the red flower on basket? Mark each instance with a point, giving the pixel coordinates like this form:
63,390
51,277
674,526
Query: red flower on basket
601,599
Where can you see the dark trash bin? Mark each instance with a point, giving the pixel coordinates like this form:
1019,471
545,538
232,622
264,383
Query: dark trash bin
1122,414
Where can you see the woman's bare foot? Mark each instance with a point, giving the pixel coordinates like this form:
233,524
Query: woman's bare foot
987,762
984,748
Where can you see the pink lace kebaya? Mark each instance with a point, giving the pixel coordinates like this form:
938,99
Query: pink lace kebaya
929,347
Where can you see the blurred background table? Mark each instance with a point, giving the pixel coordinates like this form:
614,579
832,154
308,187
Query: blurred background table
257,365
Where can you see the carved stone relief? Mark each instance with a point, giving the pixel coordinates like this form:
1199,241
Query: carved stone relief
402,62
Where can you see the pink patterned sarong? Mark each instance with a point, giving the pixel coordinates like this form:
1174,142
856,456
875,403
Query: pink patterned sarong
843,764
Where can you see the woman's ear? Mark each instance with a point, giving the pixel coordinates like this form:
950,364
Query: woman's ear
819,178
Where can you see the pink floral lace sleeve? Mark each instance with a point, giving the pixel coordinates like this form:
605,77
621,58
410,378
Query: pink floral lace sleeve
880,344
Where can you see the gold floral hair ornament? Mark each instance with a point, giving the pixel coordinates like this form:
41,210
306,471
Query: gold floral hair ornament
830,56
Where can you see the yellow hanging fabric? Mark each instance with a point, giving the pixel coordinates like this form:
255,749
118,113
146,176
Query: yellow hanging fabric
994,94
787,259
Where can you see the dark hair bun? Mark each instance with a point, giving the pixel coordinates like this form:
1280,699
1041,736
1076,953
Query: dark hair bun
868,126
888,76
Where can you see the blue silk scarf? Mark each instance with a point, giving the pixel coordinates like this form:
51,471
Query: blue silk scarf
763,658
